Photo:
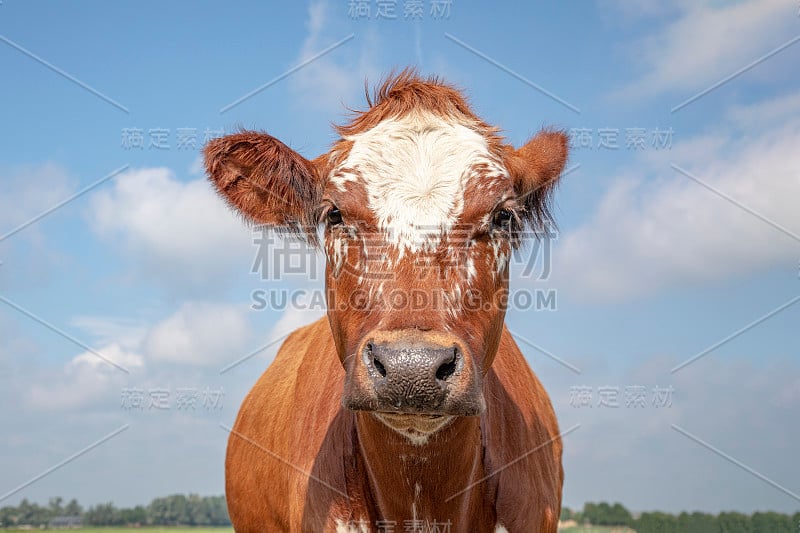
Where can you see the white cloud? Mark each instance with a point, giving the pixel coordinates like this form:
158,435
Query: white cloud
196,337
670,231
83,381
200,333
106,330
197,334
709,41
336,79
179,233
764,115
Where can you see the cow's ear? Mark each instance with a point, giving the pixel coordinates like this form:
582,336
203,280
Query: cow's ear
536,168
264,180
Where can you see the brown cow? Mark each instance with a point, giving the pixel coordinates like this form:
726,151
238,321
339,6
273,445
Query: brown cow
391,415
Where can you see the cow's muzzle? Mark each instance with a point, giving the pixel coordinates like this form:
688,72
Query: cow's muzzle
413,372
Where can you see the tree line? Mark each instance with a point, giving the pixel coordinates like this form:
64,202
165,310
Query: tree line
194,510
178,509
604,514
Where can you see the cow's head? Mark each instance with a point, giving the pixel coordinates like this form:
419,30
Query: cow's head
421,204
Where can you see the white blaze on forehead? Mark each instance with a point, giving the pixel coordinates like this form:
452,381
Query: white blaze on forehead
415,169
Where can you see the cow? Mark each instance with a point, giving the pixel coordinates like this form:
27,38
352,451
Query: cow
386,415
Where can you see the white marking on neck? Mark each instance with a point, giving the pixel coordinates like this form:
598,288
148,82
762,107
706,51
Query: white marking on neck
417,439
417,489
360,526
415,170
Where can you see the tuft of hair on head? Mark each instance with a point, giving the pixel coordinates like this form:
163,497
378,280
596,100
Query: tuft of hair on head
404,92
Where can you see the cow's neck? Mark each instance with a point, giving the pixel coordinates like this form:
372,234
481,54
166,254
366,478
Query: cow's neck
438,481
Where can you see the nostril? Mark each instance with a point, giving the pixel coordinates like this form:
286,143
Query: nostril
379,367
448,367
376,363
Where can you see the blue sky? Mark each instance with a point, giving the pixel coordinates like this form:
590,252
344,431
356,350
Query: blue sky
652,265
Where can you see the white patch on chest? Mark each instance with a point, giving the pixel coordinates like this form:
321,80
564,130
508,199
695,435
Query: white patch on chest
415,170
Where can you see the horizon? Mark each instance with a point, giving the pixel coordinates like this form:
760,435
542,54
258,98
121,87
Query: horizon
634,512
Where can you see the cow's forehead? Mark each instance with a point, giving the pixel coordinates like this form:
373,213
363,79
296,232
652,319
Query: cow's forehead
415,170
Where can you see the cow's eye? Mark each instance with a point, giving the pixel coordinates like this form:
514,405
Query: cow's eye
502,219
334,216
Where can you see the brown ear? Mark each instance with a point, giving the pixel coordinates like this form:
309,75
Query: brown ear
536,168
263,179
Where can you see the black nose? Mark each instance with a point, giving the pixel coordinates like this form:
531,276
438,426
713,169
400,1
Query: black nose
412,377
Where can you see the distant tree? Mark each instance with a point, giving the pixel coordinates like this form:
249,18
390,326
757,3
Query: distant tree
566,514
697,523
8,516
732,522
73,508
134,516
595,513
218,511
620,516
656,522
31,514
171,510
102,514
589,511
193,510
770,523
55,506
603,514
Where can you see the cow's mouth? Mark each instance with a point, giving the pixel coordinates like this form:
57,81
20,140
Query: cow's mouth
401,415
416,427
